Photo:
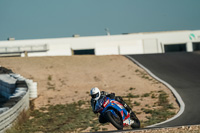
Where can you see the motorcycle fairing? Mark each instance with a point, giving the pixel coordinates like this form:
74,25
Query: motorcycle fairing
106,104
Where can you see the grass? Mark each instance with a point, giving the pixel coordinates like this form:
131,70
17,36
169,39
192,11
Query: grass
161,114
146,95
49,77
147,105
153,96
78,116
137,103
131,88
22,118
58,118
130,95
157,115
144,75
50,86
104,129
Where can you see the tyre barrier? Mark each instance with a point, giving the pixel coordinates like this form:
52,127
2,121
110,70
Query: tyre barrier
32,88
17,91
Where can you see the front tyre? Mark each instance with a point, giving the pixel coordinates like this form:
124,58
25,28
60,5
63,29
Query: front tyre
115,121
136,123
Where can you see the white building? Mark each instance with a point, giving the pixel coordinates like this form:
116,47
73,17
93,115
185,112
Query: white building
135,43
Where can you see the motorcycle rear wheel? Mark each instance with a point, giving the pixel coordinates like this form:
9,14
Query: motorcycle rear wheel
116,122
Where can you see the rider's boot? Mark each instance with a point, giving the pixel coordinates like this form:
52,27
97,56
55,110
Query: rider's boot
132,114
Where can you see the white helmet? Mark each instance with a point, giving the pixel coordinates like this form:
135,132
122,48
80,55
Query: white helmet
95,93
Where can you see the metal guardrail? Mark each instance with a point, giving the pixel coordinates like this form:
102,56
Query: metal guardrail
22,49
8,117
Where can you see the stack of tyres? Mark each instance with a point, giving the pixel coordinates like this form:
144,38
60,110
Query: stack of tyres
32,88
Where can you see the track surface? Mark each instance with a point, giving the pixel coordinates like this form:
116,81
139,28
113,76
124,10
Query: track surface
182,71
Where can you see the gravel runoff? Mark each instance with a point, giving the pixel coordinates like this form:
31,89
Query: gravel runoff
180,129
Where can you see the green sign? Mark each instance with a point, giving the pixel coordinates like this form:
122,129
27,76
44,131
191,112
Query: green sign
192,36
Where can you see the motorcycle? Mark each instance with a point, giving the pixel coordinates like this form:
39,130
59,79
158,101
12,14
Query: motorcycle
115,113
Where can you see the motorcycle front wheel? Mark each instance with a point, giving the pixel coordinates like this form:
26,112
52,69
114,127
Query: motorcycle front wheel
115,121
136,123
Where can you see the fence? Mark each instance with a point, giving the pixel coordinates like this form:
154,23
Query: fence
8,117
22,49
18,98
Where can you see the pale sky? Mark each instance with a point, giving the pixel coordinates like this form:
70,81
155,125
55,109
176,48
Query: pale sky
35,19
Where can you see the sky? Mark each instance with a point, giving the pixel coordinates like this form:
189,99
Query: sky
36,19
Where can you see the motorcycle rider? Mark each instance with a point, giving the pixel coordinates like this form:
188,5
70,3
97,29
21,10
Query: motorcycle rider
97,94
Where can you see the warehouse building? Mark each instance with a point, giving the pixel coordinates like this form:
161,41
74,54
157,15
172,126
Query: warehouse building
131,43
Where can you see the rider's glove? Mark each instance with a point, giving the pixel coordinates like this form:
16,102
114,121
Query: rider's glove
95,112
111,95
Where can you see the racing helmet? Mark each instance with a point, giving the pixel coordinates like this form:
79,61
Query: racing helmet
95,93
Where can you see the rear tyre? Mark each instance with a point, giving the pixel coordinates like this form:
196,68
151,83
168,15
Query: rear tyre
115,121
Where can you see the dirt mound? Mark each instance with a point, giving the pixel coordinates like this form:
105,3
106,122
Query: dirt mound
66,79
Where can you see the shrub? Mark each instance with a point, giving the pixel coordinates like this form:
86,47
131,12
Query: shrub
131,89
153,96
132,96
146,95
49,77
136,103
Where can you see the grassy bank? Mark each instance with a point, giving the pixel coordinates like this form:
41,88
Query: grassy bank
59,118
76,117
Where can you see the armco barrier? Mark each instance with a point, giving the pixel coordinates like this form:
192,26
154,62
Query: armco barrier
18,97
8,117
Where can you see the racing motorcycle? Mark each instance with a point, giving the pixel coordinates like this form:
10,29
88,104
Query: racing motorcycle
115,113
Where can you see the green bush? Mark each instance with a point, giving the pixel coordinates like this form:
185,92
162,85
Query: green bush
131,88
146,95
132,96
136,103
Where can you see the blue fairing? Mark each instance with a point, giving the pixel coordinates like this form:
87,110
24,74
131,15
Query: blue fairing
106,104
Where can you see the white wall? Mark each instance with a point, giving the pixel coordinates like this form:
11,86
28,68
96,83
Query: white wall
119,47
150,46
113,44
107,48
64,49
129,47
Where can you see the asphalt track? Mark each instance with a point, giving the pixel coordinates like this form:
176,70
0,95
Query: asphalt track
182,71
